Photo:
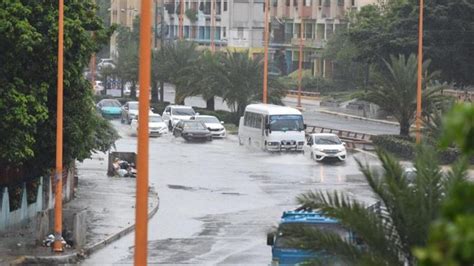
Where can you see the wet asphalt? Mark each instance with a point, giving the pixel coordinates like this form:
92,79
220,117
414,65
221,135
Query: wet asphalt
218,199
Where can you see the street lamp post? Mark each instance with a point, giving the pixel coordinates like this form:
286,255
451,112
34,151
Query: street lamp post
300,57
420,69
58,205
265,53
141,210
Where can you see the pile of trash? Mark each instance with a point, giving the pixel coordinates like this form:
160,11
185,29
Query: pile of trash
48,242
123,168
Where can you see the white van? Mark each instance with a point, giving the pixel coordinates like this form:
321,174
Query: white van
272,127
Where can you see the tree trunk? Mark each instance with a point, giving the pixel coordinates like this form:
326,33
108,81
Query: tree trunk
162,91
133,91
210,104
154,92
122,85
404,128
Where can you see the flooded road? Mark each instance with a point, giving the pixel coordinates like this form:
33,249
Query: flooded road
218,199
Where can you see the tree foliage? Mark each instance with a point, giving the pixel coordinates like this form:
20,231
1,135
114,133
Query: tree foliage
28,54
380,30
388,236
395,89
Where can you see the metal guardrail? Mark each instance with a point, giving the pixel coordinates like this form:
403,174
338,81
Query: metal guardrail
303,93
352,138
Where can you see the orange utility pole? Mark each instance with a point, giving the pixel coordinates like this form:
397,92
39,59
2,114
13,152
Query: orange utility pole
420,70
265,53
300,57
141,213
213,24
58,201
181,19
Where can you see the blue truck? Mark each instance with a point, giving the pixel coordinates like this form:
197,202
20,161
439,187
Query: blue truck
283,253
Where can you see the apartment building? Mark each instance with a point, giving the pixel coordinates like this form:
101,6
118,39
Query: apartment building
238,23
320,19
122,12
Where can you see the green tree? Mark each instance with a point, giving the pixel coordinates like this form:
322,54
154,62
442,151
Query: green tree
202,78
29,72
395,89
392,28
388,236
174,59
451,238
22,97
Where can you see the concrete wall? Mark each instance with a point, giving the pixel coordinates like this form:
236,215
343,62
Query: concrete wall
44,201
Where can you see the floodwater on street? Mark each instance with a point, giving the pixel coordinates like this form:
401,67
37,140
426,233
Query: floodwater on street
218,199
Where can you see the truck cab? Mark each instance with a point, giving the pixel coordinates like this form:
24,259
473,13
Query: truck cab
285,253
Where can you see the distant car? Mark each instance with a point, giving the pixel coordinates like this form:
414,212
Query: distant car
109,108
98,87
105,62
156,126
129,112
213,124
175,113
321,146
192,130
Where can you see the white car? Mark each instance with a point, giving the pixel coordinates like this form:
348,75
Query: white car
129,112
175,113
320,146
156,126
106,62
213,124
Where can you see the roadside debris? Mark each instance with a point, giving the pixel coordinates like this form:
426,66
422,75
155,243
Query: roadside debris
123,168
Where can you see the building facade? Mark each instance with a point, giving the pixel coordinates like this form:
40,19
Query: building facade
320,19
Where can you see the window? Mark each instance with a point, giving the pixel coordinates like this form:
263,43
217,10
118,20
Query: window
225,5
240,32
320,2
353,2
340,2
224,32
295,3
253,120
307,2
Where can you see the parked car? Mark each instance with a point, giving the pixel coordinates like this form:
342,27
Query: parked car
129,112
105,62
321,146
175,113
109,108
213,124
192,130
156,126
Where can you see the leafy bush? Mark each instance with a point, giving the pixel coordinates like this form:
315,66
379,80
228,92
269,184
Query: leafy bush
402,147
158,108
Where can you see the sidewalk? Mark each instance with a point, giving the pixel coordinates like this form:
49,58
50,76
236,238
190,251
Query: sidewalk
110,205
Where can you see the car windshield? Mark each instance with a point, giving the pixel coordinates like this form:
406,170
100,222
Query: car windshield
286,123
327,140
207,119
133,106
194,125
110,104
155,119
182,111
285,240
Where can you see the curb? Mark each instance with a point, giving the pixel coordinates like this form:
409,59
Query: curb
365,152
86,251
359,117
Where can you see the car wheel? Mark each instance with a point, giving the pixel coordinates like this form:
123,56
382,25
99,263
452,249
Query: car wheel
170,125
240,142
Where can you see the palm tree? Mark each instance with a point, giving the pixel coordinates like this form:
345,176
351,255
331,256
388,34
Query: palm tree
201,78
395,89
174,58
388,236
